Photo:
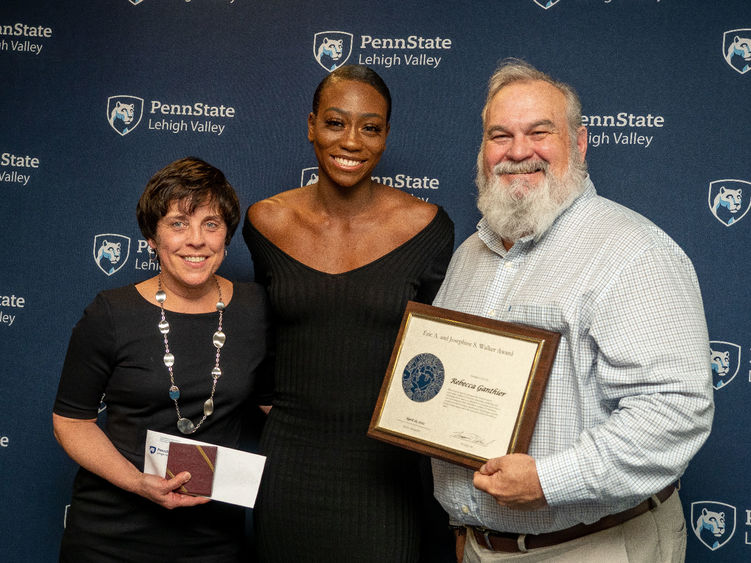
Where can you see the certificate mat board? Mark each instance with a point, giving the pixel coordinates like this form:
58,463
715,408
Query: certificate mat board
463,388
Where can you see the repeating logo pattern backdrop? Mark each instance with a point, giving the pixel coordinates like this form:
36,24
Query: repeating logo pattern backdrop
96,99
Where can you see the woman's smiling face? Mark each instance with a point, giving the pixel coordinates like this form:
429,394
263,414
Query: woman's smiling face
349,131
190,245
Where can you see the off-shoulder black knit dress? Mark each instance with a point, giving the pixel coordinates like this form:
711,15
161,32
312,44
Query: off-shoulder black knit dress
330,493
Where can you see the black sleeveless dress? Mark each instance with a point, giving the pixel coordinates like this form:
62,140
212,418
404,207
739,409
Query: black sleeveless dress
330,493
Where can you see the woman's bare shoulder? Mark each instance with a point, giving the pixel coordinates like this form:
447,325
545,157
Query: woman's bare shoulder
409,209
276,212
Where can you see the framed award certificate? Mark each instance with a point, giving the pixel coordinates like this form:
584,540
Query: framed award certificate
463,388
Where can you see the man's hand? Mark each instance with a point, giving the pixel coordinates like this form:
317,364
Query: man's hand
512,480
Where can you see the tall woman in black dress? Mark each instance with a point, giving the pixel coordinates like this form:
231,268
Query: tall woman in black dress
188,213
340,258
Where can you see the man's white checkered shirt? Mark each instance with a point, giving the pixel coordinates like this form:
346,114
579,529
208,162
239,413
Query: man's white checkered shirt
629,400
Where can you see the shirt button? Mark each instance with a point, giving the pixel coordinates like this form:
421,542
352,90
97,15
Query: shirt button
465,509
508,265
491,313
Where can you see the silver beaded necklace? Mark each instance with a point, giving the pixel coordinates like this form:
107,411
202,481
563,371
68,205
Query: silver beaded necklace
185,425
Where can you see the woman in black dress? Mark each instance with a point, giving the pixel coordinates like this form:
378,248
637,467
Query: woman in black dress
340,258
123,349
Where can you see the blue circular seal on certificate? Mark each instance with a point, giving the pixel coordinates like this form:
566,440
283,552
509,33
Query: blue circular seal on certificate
423,377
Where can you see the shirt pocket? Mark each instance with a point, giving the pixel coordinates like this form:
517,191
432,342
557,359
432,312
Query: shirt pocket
547,316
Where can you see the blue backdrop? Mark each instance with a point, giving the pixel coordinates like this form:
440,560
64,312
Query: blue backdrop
665,87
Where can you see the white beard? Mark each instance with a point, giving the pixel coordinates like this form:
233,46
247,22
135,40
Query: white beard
521,209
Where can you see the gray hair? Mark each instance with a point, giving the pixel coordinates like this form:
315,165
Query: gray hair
513,70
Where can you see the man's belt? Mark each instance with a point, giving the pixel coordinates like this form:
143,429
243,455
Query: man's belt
503,541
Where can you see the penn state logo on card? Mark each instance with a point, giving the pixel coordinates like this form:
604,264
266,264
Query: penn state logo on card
332,48
713,523
423,377
725,361
309,176
729,200
736,48
124,113
546,3
111,252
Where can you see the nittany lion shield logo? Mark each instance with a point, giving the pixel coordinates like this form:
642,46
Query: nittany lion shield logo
725,360
124,113
736,48
332,48
713,522
309,176
729,200
111,252
546,3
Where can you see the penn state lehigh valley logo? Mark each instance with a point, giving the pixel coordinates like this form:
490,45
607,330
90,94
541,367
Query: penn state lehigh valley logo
332,48
309,176
111,252
725,360
713,523
736,48
124,113
546,3
729,200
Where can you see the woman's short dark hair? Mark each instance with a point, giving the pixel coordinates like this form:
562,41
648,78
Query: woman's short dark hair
358,73
194,182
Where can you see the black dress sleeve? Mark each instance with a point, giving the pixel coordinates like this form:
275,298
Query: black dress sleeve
263,392
263,386
88,363
432,277
253,238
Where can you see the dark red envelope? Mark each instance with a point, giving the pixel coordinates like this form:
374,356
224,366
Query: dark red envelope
199,461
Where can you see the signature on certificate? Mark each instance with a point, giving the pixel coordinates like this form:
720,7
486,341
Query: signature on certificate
471,438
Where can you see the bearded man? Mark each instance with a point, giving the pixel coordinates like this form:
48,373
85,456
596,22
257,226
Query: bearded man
629,399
